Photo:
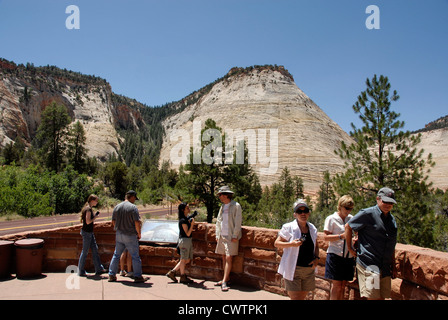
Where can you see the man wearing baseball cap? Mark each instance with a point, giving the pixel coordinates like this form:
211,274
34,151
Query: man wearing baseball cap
128,226
375,254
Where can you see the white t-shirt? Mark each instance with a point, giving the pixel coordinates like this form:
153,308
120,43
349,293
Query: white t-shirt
225,220
336,226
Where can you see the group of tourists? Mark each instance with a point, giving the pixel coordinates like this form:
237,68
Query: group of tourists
228,234
127,225
370,253
128,230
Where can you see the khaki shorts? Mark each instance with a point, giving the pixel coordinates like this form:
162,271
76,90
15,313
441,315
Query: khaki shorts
227,247
186,248
372,285
304,280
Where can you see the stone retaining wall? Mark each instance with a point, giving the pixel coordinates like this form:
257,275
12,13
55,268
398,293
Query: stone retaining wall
422,272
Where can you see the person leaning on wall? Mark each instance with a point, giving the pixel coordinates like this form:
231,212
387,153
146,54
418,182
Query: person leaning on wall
185,244
375,254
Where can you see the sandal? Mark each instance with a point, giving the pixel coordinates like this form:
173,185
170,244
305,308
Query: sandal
224,286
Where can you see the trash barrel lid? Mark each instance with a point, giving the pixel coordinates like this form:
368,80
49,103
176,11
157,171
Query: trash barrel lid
29,242
6,242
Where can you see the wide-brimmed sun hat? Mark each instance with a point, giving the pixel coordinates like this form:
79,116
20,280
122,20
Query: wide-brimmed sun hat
225,189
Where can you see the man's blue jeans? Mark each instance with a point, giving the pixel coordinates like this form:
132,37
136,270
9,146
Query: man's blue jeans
123,241
89,242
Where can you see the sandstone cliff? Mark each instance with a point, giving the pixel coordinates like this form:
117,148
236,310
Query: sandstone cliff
436,143
262,101
266,98
26,91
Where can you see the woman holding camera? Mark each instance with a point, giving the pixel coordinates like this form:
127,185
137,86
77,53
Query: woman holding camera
185,244
298,239
88,238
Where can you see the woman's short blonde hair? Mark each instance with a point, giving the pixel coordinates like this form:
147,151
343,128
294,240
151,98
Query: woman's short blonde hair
345,201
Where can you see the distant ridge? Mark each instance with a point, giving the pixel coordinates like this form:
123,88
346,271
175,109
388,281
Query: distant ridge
440,123
12,68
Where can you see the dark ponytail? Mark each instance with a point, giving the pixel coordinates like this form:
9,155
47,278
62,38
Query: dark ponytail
181,210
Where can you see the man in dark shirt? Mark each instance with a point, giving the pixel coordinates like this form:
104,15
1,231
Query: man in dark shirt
377,237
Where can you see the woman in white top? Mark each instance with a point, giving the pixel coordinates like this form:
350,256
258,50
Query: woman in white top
339,266
298,239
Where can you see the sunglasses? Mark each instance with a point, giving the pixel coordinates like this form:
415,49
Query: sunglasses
348,209
298,211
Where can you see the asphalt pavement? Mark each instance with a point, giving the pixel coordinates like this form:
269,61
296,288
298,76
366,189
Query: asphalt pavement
64,220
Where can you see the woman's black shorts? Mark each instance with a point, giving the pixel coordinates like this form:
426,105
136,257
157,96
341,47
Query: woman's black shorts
339,268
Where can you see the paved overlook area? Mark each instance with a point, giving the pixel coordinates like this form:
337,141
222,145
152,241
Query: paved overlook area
68,286
422,273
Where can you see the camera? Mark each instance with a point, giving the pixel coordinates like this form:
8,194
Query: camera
194,214
303,238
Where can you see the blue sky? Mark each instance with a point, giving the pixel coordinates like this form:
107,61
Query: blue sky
161,51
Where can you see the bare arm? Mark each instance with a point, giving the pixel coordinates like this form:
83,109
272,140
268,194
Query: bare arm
138,227
187,230
282,243
89,218
348,238
333,237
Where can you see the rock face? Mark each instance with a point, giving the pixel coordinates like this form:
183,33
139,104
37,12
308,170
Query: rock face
283,126
265,100
24,93
436,143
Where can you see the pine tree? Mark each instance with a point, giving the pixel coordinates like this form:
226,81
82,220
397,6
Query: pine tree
51,135
76,152
115,177
203,179
276,203
326,196
10,154
286,183
383,155
298,187
326,202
